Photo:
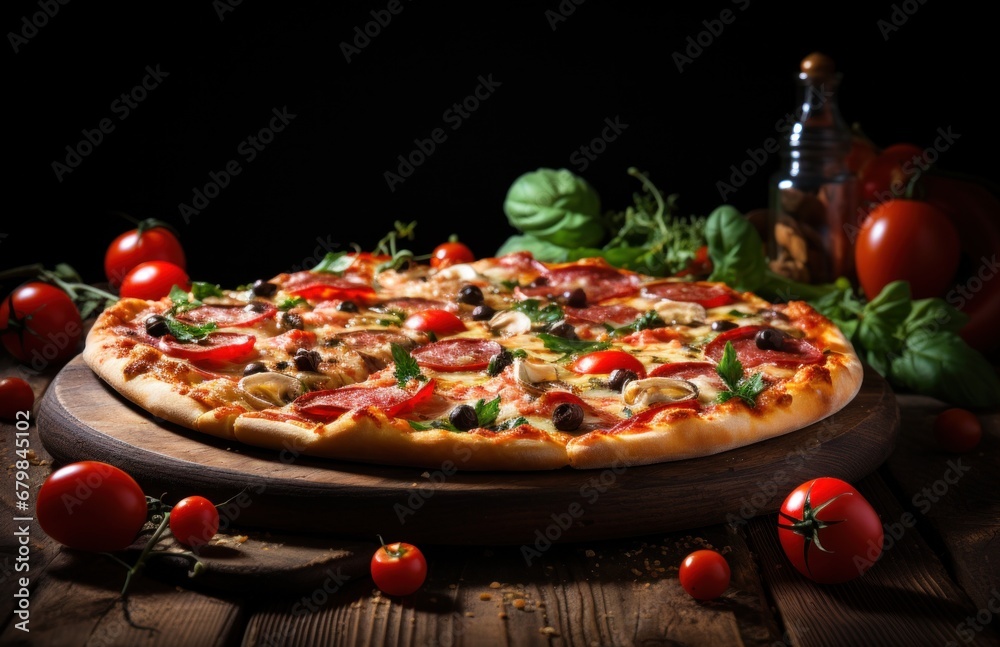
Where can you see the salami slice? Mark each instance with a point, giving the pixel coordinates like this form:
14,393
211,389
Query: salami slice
391,400
457,354
705,295
411,305
371,340
794,352
689,370
319,285
224,316
613,314
599,283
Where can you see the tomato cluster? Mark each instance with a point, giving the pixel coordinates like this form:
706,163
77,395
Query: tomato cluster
932,230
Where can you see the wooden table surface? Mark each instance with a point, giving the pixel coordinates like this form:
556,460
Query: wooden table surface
937,582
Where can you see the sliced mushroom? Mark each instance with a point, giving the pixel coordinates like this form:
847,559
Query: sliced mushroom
461,271
510,322
680,312
264,390
537,377
643,393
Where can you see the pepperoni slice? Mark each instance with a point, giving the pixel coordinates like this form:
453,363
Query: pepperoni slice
391,400
688,370
373,339
599,283
458,354
216,348
796,352
707,295
222,316
322,286
619,314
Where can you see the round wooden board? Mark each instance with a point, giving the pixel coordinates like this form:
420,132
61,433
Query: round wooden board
81,418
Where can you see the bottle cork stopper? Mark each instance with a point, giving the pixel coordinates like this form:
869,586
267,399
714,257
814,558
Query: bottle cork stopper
817,65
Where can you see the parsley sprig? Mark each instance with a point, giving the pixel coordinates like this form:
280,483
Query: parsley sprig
181,330
730,369
550,314
406,366
486,417
571,347
645,321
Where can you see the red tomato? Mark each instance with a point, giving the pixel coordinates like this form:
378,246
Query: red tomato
907,240
39,324
152,280
451,253
886,176
957,430
439,322
148,242
91,506
705,574
604,361
399,569
15,396
194,521
829,532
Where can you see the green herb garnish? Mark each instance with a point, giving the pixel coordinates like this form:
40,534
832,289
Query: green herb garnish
201,289
510,285
181,301
293,302
334,263
185,332
571,347
645,321
392,318
547,315
406,366
487,412
432,424
730,369
510,423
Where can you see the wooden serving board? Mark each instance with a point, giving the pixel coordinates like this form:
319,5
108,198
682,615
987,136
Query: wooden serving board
81,418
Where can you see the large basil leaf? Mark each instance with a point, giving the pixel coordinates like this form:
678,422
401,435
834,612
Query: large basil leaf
736,250
556,206
944,366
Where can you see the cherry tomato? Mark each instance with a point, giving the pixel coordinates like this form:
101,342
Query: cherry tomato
149,242
194,521
829,532
152,280
957,430
910,241
399,569
451,253
439,322
705,574
39,323
91,506
15,395
605,361
886,176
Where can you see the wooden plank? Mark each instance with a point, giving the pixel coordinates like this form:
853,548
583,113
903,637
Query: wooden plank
609,593
78,604
906,598
82,416
953,498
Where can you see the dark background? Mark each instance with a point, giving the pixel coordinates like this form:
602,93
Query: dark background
322,178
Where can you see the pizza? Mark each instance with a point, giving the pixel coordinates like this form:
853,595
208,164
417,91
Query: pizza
502,363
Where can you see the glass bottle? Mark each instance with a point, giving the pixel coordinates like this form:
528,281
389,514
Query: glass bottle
814,196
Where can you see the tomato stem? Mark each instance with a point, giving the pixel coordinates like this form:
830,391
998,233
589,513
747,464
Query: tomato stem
147,549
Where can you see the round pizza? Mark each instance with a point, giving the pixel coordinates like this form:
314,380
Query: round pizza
497,364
